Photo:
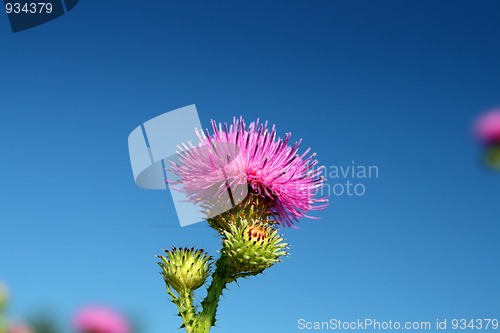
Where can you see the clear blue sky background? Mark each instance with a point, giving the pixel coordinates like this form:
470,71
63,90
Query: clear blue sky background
394,84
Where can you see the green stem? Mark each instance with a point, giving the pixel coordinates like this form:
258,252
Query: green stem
187,311
220,279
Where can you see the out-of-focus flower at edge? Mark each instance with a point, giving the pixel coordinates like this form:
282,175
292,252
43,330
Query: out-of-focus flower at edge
487,129
252,156
19,327
100,319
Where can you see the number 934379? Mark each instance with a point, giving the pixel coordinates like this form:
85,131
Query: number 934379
28,8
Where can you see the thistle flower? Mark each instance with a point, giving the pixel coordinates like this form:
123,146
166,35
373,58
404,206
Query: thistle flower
253,158
99,319
488,127
185,269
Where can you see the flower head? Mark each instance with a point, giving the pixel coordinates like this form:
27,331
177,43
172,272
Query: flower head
251,160
99,319
488,127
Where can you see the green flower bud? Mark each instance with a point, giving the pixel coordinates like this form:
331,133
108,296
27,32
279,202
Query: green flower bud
185,269
252,247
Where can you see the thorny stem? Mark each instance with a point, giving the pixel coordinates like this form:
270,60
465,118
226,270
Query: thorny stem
220,279
187,311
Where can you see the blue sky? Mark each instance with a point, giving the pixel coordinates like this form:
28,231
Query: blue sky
392,84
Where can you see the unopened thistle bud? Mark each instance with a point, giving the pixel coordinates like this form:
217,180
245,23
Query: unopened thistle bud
185,269
252,248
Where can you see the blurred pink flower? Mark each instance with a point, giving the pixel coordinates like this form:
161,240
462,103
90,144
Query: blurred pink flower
99,319
19,327
488,127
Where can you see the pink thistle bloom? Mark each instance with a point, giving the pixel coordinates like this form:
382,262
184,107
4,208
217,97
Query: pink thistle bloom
251,159
488,127
98,319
